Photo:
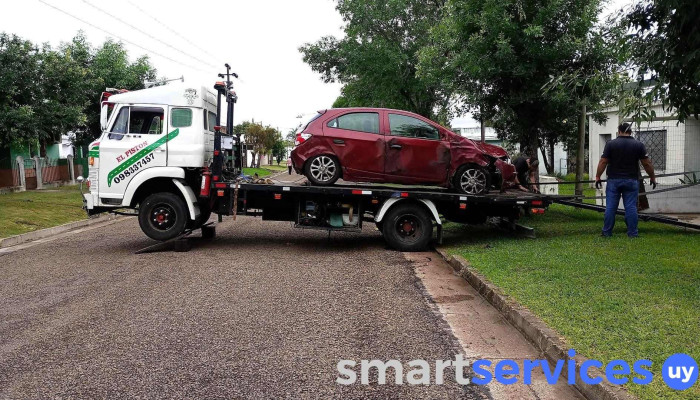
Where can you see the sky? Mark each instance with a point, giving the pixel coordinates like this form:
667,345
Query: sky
259,39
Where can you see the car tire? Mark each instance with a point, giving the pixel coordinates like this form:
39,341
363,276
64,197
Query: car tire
407,227
472,179
163,216
322,170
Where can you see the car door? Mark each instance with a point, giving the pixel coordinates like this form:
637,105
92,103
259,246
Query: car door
356,139
134,142
416,151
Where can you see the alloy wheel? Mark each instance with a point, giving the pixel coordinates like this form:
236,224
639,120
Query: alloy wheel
323,168
473,181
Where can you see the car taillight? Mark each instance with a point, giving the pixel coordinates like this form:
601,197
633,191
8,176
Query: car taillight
301,138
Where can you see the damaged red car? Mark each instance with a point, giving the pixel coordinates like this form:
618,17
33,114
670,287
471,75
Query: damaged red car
393,146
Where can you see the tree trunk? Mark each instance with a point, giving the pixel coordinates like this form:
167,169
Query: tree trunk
580,150
551,157
534,146
483,128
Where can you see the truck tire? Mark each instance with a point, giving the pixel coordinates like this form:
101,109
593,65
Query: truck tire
407,227
163,216
204,214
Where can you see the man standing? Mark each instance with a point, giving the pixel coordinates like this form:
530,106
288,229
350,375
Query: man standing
525,168
621,157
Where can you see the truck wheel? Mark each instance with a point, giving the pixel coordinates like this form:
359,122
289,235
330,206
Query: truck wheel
163,216
407,227
322,170
472,179
204,214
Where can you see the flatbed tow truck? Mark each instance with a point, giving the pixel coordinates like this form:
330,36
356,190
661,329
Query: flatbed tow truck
163,154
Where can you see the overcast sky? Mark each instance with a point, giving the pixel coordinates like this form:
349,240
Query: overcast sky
259,39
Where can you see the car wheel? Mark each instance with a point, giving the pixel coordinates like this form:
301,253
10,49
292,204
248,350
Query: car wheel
407,227
323,170
163,216
472,179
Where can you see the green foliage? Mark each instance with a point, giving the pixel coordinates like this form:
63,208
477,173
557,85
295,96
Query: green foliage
665,46
260,139
377,58
47,92
498,55
279,149
19,63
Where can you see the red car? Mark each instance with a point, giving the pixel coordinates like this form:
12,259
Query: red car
392,146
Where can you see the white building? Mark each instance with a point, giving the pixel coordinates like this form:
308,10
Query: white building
672,146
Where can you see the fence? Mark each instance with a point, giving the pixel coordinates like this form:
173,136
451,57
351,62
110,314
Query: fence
33,173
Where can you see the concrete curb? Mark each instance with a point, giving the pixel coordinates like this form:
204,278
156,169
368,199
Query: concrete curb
48,232
535,330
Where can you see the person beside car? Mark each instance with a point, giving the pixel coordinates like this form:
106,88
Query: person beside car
621,158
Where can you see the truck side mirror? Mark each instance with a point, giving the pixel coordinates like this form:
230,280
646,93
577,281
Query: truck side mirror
104,114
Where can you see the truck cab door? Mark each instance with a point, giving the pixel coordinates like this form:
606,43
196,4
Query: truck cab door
135,141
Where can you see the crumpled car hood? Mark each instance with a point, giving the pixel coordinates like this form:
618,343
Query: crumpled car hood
492,149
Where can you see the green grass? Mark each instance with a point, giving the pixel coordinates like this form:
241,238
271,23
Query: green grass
260,171
38,209
275,167
610,298
568,189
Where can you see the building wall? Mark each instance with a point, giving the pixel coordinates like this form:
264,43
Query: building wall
682,143
692,145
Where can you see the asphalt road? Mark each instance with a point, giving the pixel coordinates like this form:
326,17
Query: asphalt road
264,311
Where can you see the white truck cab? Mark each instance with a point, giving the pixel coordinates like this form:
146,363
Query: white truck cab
151,138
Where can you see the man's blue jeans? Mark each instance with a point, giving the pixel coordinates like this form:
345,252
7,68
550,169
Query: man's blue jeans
628,189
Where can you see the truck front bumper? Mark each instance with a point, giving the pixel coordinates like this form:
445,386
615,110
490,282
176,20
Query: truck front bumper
88,201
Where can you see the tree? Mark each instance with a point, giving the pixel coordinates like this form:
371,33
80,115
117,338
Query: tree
497,55
279,149
19,63
593,80
260,140
62,91
109,66
665,46
376,61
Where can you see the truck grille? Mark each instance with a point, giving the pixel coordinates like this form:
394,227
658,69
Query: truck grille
92,175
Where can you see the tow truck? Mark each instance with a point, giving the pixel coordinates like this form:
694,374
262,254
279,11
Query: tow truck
164,153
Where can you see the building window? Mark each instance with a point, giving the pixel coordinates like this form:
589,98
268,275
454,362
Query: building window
655,142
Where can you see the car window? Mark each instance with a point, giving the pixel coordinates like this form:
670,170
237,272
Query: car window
146,120
361,122
403,125
181,117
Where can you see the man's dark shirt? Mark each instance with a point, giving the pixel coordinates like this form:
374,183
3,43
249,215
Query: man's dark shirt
521,168
623,155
